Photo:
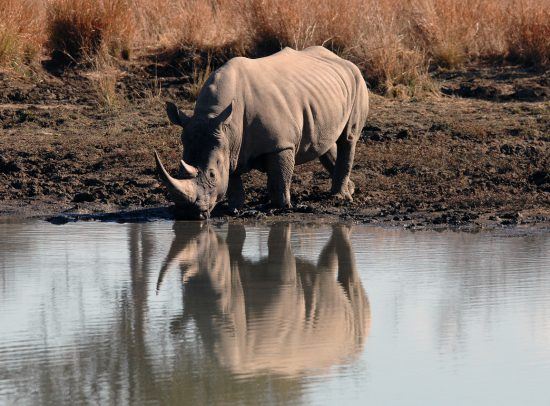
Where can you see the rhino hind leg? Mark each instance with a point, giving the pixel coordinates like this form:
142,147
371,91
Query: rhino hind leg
235,192
328,160
342,166
280,166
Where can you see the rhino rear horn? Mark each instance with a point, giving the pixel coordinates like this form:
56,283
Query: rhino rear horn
188,170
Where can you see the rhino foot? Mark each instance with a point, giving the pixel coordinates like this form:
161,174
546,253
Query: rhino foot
345,192
344,195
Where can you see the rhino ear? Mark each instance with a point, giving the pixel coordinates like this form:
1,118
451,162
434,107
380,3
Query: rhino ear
175,115
225,116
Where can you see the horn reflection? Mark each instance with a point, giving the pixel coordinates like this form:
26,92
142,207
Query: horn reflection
280,314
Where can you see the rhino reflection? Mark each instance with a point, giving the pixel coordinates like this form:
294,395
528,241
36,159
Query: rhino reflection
280,314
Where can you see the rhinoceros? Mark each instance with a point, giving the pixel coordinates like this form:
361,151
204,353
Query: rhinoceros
268,114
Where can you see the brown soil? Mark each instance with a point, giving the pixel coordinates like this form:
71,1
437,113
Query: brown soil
476,158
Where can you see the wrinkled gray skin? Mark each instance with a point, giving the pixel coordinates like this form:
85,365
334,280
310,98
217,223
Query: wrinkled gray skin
268,114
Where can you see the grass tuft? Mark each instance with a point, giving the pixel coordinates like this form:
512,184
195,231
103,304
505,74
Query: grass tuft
104,76
82,29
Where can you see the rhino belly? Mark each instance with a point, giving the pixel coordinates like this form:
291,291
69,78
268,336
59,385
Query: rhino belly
310,154
313,146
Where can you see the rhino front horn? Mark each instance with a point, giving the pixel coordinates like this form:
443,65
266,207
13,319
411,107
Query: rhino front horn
182,191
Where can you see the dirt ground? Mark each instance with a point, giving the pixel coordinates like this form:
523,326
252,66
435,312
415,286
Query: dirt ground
476,157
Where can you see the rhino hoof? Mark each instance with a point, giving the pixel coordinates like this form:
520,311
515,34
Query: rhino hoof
344,195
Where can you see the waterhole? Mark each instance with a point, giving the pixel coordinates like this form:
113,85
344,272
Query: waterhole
191,313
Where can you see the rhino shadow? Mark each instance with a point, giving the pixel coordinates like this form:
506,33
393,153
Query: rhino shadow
279,315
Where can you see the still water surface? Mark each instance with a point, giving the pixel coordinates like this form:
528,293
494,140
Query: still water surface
183,314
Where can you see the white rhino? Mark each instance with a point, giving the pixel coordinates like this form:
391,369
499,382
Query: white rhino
279,315
268,114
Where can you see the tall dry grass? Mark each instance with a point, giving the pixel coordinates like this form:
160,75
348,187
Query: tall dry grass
395,42
21,31
529,36
78,29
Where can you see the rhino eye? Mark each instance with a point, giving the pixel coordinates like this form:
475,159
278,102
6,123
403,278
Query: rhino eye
211,174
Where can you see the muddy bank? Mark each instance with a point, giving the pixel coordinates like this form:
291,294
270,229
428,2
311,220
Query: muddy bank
477,158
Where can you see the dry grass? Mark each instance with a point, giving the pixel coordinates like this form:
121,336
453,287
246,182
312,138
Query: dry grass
105,85
78,29
395,42
197,80
529,36
104,79
21,34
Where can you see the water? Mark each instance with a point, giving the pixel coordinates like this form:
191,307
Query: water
178,314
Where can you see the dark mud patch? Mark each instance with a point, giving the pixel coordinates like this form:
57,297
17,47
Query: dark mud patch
498,84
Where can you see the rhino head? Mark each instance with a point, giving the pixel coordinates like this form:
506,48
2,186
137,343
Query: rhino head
204,167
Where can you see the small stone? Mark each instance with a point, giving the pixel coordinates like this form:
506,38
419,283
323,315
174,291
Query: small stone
8,166
403,134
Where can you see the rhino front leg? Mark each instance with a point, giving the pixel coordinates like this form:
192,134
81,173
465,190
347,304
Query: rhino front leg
280,166
342,167
328,160
235,192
